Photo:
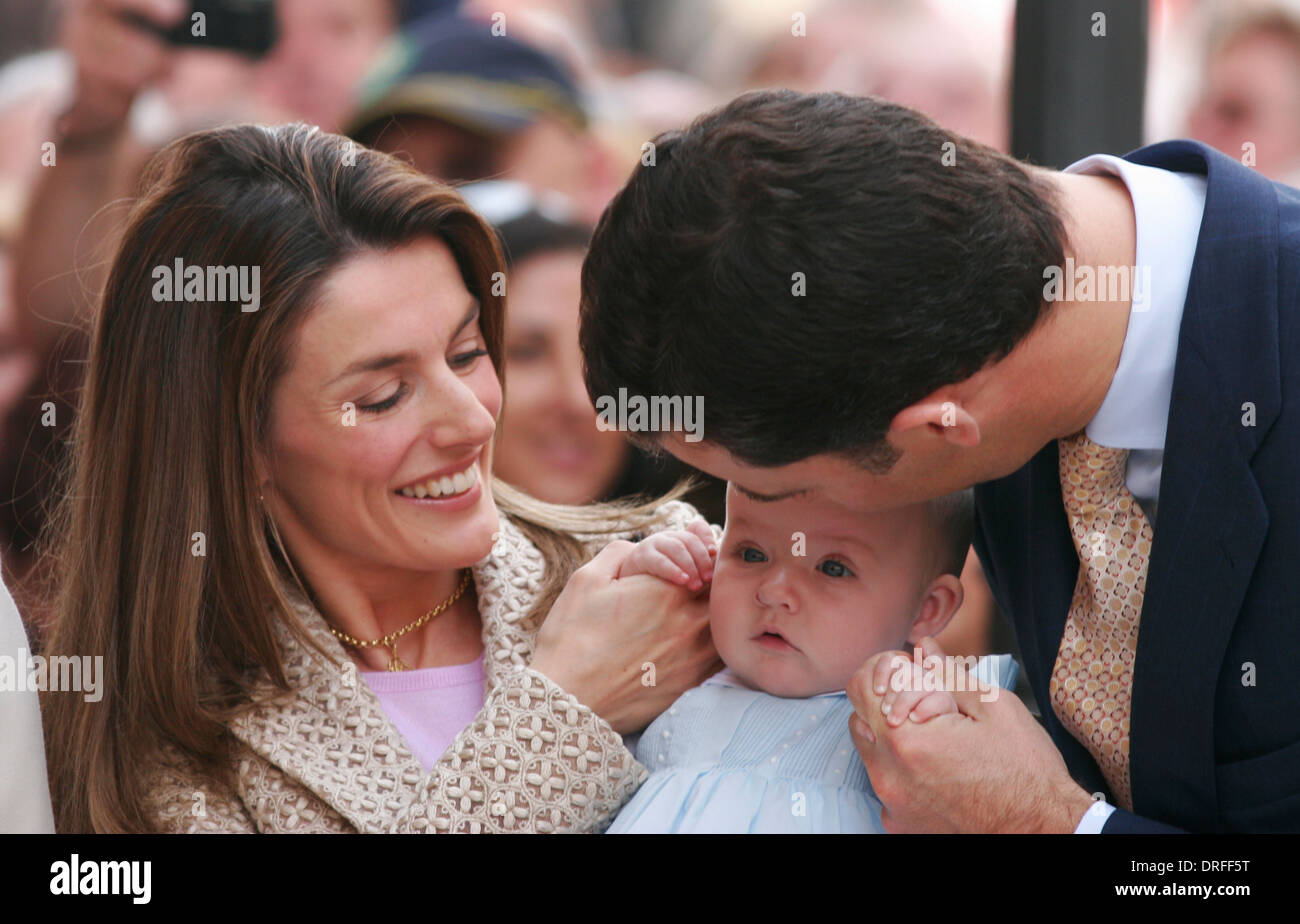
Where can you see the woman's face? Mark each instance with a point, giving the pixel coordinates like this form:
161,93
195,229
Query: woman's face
549,445
381,428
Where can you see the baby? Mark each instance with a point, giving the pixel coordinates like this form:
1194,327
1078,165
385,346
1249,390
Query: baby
802,594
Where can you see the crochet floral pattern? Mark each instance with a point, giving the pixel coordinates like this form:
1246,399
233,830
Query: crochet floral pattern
326,758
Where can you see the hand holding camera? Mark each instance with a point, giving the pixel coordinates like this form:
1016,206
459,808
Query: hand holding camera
122,46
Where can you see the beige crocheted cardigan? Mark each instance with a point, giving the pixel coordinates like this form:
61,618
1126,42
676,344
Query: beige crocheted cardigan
326,758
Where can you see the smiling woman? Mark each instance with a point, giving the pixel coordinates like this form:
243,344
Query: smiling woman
267,509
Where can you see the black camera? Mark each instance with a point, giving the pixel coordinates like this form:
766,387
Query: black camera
243,26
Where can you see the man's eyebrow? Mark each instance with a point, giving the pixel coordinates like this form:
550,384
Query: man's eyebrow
769,498
375,363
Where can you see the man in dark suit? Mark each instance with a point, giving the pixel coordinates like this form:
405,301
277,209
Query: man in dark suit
880,312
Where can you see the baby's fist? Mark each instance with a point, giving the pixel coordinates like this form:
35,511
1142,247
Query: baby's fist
910,697
679,556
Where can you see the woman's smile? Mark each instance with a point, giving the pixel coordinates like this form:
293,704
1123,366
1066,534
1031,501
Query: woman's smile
446,483
446,493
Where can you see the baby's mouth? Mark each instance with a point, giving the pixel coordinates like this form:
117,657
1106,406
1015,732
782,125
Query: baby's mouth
774,640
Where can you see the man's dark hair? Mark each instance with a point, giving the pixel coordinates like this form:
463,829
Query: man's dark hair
921,254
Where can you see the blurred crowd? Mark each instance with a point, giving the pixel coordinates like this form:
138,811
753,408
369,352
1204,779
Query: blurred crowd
537,109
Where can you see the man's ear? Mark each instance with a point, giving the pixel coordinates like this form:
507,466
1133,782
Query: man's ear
944,416
941,601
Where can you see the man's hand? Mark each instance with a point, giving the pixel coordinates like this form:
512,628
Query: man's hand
990,767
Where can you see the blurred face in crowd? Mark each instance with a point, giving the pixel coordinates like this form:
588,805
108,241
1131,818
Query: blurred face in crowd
547,155
549,445
550,155
324,48
381,427
928,68
903,53
1252,94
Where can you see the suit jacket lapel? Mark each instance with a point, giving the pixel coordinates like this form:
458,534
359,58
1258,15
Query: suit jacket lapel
1202,559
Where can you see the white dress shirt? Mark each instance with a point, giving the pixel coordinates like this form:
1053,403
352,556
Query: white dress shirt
24,788
1167,209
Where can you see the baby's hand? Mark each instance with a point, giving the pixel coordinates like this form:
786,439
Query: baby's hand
914,701
680,556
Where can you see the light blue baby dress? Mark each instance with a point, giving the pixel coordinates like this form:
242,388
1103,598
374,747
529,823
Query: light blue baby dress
725,759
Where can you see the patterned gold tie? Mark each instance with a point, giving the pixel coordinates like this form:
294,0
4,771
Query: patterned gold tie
1092,680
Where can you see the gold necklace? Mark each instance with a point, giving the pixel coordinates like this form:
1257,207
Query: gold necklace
389,641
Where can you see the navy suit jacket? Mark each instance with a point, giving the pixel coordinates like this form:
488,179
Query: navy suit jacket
1215,722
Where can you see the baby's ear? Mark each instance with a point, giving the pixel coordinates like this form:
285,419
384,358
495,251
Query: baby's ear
941,601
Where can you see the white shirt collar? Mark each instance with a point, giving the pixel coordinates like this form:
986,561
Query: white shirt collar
1167,207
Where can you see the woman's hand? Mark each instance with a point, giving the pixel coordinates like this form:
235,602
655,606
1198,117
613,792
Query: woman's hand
625,647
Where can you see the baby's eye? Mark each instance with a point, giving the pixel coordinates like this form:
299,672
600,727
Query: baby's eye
751,555
835,569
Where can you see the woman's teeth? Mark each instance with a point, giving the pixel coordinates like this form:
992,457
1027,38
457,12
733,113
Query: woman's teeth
446,486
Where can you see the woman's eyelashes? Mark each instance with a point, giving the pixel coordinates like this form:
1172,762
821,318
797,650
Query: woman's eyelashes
464,354
460,362
465,360
379,407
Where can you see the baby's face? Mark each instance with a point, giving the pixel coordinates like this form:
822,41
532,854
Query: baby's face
797,616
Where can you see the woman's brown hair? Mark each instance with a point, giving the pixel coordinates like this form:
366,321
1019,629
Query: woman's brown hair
174,410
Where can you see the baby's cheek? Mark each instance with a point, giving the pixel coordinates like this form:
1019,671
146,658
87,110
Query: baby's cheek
726,617
720,623
854,640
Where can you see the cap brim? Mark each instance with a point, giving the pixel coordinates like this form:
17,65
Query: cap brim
482,106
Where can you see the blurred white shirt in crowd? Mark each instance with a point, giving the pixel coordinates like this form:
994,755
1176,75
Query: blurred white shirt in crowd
24,788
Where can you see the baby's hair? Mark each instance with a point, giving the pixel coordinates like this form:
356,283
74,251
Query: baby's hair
953,518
